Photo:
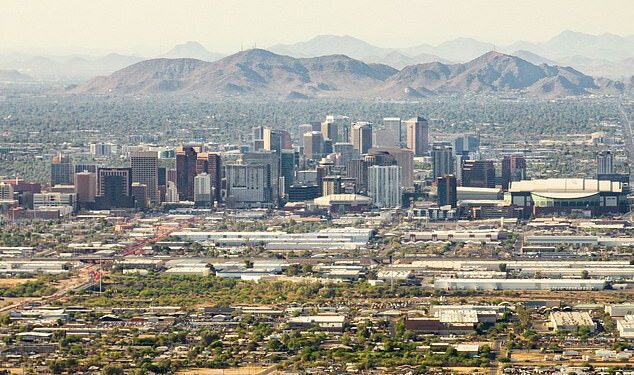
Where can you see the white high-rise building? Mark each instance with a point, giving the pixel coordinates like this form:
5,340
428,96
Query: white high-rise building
203,194
384,186
101,149
171,192
605,163
248,186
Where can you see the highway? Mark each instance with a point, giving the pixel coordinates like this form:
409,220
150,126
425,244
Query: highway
629,142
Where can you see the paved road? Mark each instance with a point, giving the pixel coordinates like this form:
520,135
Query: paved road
629,142
629,146
81,280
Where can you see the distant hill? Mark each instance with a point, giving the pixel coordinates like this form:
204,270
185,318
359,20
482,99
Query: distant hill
462,49
399,60
620,69
191,50
605,55
259,72
69,67
494,72
252,72
533,58
323,45
13,76
602,55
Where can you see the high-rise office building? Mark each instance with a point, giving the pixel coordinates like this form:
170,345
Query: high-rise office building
186,163
248,186
214,170
328,147
390,135
162,176
272,140
313,145
203,192
287,170
478,173
87,167
86,188
417,135
466,144
303,129
362,136
171,192
257,133
342,126
605,163
114,188
513,169
457,166
100,149
442,160
144,166
346,152
287,141
270,158
358,169
140,194
106,187
379,157
61,170
447,190
331,185
6,191
384,186
329,130
404,158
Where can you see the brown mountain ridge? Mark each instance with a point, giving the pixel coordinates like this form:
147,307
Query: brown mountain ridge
260,73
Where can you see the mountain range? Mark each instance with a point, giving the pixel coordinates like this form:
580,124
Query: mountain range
80,67
191,50
67,67
262,73
13,76
606,55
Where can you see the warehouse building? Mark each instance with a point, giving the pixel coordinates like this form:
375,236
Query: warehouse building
620,310
625,326
518,284
331,238
476,235
571,321
579,240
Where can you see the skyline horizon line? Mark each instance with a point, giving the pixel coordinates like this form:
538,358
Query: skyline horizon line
155,51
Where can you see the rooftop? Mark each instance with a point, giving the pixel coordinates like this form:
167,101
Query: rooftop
565,185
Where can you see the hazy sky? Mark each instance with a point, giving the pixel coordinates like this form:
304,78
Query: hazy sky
224,25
